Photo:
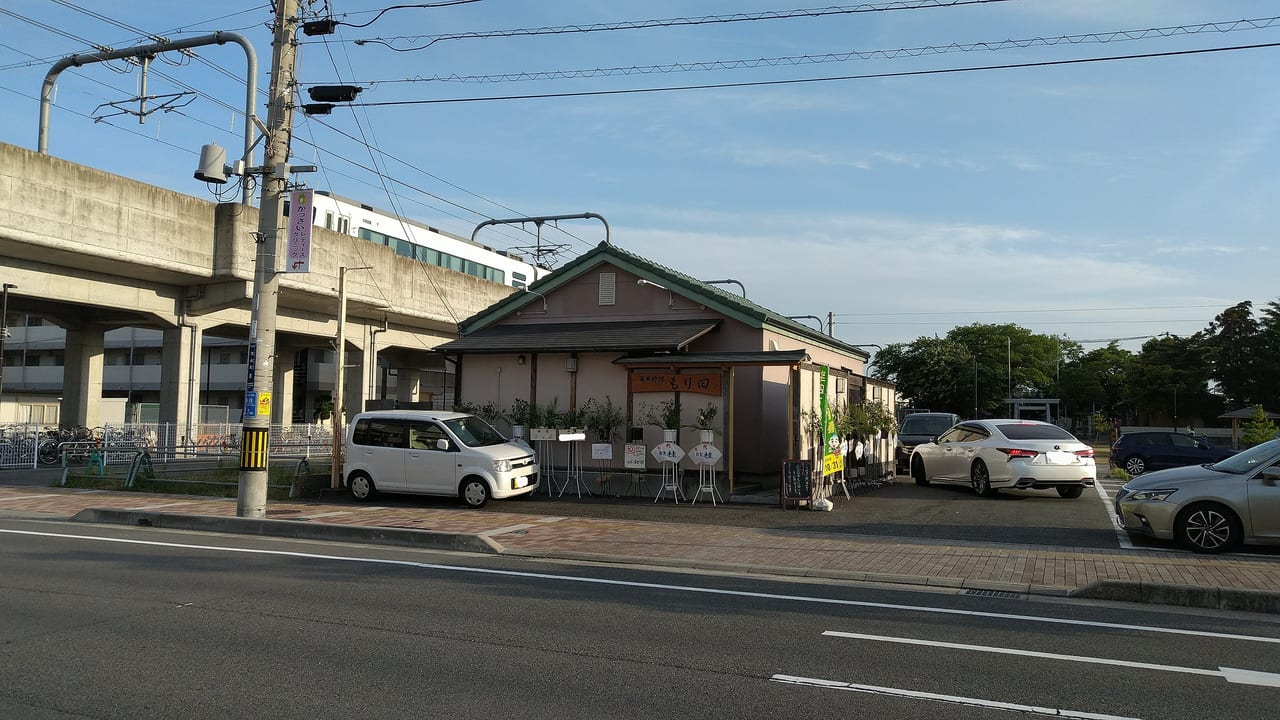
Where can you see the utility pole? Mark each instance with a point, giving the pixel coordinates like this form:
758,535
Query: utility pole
251,500
831,324
338,415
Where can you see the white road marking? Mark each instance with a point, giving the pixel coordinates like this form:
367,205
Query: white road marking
1232,675
658,586
1121,535
953,699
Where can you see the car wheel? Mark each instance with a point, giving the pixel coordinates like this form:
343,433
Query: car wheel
917,472
474,492
1071,491
980,478
1135,465
1207,528
362,487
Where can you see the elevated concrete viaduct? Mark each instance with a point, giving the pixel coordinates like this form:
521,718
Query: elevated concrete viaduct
92,252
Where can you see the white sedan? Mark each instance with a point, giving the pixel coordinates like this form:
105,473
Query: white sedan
992,454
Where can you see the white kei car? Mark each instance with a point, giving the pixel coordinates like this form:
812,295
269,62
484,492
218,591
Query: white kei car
991,454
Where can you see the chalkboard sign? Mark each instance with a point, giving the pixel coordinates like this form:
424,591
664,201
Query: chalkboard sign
797,479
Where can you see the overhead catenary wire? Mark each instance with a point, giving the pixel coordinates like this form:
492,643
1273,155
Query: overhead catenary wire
678,21
810,59
803,81
1118,308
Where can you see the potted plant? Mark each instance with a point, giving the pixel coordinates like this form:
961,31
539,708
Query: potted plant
521,415
603,419
704,422
665,415
544,419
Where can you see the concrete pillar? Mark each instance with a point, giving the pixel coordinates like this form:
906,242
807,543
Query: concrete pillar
358,369
282,401
408,384
180,378
82,376
353,386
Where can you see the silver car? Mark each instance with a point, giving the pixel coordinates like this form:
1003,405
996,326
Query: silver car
1208,508
991,454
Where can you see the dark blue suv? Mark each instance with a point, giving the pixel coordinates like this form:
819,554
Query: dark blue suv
1139,452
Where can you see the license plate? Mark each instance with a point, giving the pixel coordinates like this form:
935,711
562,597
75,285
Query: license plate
521,482
1060,458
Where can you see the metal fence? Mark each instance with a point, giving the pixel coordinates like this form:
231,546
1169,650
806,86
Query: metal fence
35,446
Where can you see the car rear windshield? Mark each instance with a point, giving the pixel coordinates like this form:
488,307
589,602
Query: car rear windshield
924,425
1034,431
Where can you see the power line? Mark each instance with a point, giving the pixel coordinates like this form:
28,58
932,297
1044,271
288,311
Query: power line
1008,312
1039,322
384,11
802,81
892,54
675,22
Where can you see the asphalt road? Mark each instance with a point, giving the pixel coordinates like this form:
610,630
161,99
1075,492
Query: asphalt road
203,626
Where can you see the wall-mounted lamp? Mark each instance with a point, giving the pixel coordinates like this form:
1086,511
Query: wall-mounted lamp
671,297
544,303
572,364
741,287
520,360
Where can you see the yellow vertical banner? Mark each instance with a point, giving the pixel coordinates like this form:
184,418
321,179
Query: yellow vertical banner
832,460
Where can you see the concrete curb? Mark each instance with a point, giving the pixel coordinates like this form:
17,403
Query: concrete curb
1259,601
298,529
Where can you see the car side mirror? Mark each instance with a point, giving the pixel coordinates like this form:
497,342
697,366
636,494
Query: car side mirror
1270,475
442,444
1203,444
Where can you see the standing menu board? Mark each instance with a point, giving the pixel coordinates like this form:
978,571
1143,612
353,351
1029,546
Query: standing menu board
797,480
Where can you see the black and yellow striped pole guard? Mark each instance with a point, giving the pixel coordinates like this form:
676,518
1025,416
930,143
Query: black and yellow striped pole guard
253,448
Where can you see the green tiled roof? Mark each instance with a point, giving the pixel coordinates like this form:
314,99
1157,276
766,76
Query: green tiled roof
730,304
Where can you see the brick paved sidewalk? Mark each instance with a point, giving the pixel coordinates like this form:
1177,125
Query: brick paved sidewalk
1237,582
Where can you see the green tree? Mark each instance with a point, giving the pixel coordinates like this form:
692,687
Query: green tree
1096,381
1168,383
1231,348
1266,390
1258,429
933,372
970,372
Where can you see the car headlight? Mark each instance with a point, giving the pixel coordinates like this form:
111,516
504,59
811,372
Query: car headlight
1162,494
502,466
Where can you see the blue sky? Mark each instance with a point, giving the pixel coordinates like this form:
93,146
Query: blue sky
1095,200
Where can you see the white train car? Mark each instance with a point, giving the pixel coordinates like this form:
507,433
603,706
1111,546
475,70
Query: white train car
424,243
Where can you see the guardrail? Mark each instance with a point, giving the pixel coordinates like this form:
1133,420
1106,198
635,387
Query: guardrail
33,446
292,475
